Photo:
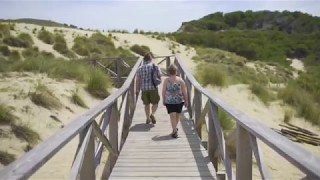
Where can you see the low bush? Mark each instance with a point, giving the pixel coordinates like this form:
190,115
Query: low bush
14,56
209,74
23,40
24,132
225,120
60,45
46,36
98,84
4,30
44,97
141,50
6,158
261,92
6,115
4,50
30,52
288,114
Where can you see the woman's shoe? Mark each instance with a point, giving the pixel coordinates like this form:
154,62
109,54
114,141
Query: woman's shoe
174,134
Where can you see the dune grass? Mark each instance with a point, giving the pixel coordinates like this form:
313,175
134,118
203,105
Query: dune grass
4,30
6,158
4,50
76,99
14,56
288,114
60,45
141,50
25,133
6,115
210,74
46,36
44,97
261,92
97,81
23,40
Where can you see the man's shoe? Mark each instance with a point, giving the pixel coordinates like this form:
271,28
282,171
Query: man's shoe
148,121
153,119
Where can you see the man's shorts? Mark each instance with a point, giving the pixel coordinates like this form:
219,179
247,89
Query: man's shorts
150,97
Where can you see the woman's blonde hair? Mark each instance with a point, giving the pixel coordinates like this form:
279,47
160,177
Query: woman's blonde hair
172,70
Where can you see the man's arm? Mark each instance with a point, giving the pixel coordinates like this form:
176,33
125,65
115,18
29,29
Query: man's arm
138,84
159,71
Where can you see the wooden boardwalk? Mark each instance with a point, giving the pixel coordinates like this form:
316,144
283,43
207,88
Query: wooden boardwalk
150,153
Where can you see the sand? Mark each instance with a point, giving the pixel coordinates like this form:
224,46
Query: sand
238,96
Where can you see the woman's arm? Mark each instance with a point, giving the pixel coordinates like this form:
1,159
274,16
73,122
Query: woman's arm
184,91
164,89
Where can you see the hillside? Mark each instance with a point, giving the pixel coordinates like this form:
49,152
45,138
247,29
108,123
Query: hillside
39,22
289,22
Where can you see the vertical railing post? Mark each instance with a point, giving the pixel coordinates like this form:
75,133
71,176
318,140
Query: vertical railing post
167,63
88,167
189,89
212,137
118,70
198,109
244,155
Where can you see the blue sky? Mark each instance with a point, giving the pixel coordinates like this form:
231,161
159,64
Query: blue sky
148,15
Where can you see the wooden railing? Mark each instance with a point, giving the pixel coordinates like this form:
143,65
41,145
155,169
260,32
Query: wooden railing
248,130
92,137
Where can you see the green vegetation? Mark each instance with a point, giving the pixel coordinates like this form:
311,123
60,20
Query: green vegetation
25,133
6,116
23,40
288,114
14,56
60,45
6,158
141,50
76,99
44,97
46,36
97,81
4,50
4,30
98,84
210,74
226,122
97,46
261,92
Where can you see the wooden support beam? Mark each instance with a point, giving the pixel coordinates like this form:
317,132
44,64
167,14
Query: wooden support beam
244,155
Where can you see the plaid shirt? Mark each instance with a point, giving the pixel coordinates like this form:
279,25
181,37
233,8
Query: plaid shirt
144,73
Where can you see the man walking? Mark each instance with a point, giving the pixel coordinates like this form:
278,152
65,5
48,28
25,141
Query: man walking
150,94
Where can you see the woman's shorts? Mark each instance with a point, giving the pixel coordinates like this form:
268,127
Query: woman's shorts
174,108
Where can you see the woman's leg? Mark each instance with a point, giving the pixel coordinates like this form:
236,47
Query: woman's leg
173,121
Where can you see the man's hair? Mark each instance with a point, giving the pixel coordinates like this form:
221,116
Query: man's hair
172,70
147,57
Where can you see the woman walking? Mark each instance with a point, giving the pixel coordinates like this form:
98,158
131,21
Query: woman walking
174,95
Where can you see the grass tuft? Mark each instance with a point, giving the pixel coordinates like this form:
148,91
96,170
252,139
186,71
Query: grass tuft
210,74
4,50
98,84
45,98
261,92
141,50
288,114
76,99
46,36
6,158
24,132
6,116
60,45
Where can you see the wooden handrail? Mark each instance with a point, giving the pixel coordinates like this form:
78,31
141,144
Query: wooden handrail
25,166
295,154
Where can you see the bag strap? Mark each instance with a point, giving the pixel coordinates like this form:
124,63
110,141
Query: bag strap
152,72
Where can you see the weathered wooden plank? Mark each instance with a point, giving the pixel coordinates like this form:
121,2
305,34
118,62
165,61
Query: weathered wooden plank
103,138
164,174
263,168
163,178
244,155
163,169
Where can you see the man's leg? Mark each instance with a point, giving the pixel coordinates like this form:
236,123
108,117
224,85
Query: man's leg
147,111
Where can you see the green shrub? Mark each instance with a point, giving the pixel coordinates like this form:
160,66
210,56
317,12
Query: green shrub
261,92
45,98
210,74
30,52
23,40
6,158
4,50
141,50
288,114
6,116
14,56
25,133
46,36
226,122
98,84
81,46
76,99
26,38
4,30
60,45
